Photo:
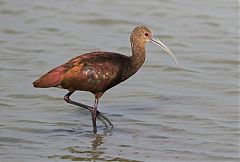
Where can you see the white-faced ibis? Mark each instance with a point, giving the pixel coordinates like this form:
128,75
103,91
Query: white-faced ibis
99,71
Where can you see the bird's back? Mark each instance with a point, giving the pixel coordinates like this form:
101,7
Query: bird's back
94,72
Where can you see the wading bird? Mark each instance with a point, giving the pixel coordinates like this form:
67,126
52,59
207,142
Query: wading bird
99,71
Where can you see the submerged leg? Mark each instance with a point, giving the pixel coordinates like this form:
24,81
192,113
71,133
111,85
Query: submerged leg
99,115
94,115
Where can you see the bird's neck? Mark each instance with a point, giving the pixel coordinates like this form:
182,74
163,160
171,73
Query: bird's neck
135,61
138,56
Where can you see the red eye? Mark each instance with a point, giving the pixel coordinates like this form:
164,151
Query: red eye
146,34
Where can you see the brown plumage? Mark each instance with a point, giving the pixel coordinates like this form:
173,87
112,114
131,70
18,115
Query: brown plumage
99,71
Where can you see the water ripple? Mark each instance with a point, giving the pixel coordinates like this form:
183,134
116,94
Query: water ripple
160,114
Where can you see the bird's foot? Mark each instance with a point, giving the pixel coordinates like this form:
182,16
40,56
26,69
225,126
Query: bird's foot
104,120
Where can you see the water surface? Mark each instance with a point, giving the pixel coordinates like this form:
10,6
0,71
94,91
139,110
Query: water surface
160,114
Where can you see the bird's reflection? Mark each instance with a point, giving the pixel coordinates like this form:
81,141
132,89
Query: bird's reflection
92,153
97,141
96,153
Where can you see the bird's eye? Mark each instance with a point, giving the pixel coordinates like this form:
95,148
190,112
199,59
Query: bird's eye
146,34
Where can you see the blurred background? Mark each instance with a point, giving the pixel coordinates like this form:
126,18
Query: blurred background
160,114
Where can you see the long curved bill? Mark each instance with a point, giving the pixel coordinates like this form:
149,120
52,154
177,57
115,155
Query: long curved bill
159,43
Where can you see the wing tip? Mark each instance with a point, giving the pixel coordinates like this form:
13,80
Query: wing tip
36,84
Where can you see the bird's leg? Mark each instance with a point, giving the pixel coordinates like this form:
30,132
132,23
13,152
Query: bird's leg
68,100
94,115
99,115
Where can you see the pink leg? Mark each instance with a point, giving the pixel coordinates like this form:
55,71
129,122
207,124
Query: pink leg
94,115
93,110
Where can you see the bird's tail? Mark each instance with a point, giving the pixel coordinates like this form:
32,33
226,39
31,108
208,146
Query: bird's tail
51,79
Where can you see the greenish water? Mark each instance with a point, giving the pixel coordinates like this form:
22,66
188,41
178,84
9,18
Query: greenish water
160,114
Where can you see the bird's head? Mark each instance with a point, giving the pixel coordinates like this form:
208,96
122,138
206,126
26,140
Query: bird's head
142,35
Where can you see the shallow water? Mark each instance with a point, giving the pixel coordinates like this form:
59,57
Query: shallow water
160,114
